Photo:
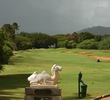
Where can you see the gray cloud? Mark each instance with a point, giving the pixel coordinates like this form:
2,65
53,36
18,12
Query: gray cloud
55,16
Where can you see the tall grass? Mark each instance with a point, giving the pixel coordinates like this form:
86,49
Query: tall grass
13,79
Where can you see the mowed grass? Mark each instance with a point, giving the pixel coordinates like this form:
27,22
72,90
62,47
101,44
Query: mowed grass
13,79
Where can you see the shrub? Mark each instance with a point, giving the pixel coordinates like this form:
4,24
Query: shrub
7,53
62,44
71,44
23,43
88,44
105,43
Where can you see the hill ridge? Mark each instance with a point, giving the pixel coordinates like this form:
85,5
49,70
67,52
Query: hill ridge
97,30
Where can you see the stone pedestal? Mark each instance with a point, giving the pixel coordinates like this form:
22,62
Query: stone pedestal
51,92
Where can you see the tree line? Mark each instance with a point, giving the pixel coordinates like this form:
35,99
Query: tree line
82,40
11,40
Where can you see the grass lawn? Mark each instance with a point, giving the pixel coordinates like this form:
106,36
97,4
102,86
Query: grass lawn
13,79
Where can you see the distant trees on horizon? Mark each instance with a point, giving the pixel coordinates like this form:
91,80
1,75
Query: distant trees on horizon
82,40
11,40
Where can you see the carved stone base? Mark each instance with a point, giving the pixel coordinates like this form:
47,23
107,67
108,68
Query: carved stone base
43,93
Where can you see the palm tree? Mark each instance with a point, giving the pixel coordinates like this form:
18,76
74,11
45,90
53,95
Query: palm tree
9,32
15,27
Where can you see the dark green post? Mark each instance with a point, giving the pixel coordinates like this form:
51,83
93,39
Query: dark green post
79,80
83,90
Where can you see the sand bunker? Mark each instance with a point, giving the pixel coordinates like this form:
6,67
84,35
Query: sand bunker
93,56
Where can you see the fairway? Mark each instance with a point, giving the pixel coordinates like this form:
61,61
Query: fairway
96,75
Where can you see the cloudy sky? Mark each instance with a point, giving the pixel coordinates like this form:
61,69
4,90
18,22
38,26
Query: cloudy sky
55,16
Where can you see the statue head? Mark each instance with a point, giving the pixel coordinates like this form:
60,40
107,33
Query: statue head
32,77
56,68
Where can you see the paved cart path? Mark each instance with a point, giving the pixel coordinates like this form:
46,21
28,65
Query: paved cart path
103,97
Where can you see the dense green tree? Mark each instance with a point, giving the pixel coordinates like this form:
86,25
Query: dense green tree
61,39
9,32
2,39
23,43
41,40
2,43
5,50
7,53
105,43
88,44
62,44
52,42
84,36
98,38
15,26
71,44
7,41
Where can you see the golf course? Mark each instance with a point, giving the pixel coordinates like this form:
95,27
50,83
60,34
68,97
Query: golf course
13,79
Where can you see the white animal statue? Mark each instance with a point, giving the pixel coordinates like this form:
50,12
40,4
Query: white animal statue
55,73
45,79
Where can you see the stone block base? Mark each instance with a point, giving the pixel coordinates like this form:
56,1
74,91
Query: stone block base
42,93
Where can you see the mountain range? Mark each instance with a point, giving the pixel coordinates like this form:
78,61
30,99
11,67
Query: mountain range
97,30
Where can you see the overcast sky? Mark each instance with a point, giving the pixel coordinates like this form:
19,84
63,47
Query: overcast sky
55,16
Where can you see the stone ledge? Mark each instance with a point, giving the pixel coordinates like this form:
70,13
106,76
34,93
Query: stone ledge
43,86
43,91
